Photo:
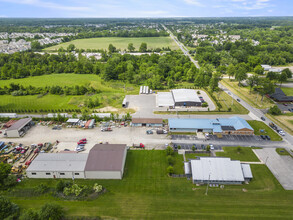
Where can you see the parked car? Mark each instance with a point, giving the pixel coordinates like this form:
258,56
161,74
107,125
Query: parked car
238,100
268,137
285,104
290,109
149,132
263,137
262,118
106,129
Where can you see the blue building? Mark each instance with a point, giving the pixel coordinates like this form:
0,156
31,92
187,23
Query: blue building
233,125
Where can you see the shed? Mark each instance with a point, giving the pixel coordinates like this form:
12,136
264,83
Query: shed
147,122
19,128
73,121
246,171
106,161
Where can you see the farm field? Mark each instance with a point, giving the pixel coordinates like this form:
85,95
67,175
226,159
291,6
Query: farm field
112,93
238,153
259,125
147,192
252,98
119,43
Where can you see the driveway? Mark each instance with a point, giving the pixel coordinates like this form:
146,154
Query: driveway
280,166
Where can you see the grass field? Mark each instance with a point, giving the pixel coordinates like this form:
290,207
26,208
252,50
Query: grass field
112,93
238,153
118,42
259,125
146,192
252,98
282,152
195,155
288,91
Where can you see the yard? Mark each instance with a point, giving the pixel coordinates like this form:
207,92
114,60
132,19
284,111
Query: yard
238,153
288,91
119,43
282,152
258,126
196,155
146,192
253,98
111,93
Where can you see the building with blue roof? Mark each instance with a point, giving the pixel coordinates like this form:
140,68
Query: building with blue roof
233,125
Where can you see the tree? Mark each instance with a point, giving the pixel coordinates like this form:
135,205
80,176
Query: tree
272,75
231,69
4,171
51,211
36,46
252,81
282,78
71,47
30,214
274,110
169,150
170,160
193,148
111,48
288,72
143,47
240,74
259,70
170,170
130,47
7,208
170,83
266,87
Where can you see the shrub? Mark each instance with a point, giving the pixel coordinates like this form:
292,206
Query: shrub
41,189
52,212
30,215
97,188
274,110
169,150
7,208
204,104
170,170
170,160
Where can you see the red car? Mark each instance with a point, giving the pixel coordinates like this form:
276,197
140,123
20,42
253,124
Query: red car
81,142
27,162
84,139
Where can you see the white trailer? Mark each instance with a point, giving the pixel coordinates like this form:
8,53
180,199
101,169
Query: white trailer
8,115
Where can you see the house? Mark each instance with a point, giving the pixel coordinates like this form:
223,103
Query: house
233,125
147,122
104,161
217,170
19,128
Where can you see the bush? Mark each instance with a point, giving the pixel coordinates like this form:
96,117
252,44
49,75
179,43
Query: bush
274,110
97,188
41,189
170,170
8,209
10,181
205,104
169,150
61,184
170,160
30,215
52,212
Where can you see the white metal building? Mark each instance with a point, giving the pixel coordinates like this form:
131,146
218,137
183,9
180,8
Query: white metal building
19,128
218,170
165,99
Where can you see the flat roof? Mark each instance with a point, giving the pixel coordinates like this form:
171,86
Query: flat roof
147,120
106,157
246,171
185,95
165,99
19,124
72,120
216,169
67,162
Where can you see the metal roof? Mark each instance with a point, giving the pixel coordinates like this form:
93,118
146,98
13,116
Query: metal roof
147,121
185,95
19,124
216,169
106,157
165,99
50,162
246,171
190,123
73,120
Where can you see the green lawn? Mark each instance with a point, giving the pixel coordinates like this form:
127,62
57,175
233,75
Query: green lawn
288,91
112,93
195,155
178,166
119,43
238,153
146,192
282,151
259,125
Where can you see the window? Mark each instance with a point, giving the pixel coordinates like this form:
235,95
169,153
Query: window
48,173
76,174
34,173
62,173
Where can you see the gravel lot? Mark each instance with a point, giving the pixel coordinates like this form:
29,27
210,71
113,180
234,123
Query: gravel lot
68,137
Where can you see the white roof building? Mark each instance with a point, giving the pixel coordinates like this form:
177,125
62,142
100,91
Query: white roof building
185,96
218,170
165,99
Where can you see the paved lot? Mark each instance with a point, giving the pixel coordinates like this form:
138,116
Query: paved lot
197,146
143,104
284,108
280,166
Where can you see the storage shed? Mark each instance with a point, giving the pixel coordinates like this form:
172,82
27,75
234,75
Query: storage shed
19,128
147,122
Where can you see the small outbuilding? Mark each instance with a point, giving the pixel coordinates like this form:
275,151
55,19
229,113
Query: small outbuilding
147,122
19,128
73,121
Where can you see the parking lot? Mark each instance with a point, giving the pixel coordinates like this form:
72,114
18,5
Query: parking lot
144,104
197,146
285,108
280,166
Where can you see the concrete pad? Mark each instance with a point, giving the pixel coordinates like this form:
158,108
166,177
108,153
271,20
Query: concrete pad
280,166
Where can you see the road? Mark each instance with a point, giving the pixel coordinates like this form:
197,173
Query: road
255,113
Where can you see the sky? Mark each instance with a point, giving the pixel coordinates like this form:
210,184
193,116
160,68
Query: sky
144,8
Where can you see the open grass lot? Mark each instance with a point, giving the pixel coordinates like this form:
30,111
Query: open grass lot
259,125
146,192
112,93
119,43
288,91
178,166
195,155
285,121
238,153
252,98
282,151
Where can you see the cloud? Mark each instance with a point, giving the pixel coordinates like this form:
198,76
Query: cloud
193,2
45,4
